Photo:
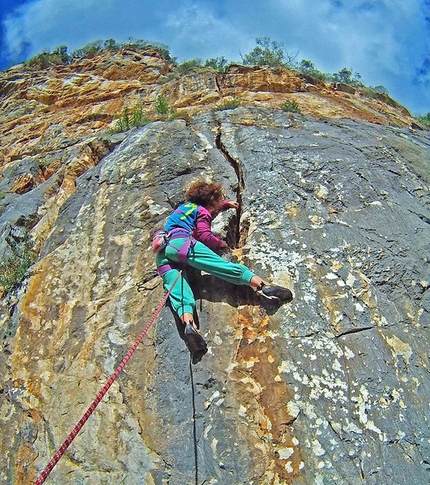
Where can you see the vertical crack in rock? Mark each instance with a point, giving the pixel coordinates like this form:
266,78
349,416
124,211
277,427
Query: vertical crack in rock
217,83
237,232
264,397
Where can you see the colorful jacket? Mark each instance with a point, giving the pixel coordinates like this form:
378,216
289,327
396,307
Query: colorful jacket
196,220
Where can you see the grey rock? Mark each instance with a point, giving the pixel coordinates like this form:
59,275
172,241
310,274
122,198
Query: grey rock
331,388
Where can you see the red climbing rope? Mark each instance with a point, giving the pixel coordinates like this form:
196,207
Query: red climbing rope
104,390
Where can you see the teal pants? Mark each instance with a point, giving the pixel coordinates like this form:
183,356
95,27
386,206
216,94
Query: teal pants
201,258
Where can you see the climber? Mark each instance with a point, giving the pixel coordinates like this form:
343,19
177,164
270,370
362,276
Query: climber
191,242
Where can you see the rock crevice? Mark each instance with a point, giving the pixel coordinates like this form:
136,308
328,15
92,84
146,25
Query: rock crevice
237,233
331,388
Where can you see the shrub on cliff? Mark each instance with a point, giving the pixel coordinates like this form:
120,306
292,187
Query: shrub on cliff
46,59
290,106
229,103
162,106
13,269
217,63
188,66
424,119
130,118
162,49
380,89
346,76
308,69
96,46
60,55
268,53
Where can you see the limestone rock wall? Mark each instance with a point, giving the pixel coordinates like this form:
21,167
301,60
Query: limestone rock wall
44,112
332,388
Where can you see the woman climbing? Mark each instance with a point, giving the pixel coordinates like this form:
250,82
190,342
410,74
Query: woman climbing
188,240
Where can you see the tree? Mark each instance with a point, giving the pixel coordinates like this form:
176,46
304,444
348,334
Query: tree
110,44
90,48
46,59
61,52
217,63
162,106
188,66
267,53
425,119
306,66
380,89
345,76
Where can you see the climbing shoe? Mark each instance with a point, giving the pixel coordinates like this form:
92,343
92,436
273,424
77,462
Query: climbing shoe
274,291
195,342
197,356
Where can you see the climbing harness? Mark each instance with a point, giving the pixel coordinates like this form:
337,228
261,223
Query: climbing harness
180,224
162,239
104,390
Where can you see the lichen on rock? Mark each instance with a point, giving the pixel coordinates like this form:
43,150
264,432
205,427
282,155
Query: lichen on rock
330,388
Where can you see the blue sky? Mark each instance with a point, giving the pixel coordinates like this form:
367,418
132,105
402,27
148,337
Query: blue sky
386,41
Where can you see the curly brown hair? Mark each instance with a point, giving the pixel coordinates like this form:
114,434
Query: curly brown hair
203,193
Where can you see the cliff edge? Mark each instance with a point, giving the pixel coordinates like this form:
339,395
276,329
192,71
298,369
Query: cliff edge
334,203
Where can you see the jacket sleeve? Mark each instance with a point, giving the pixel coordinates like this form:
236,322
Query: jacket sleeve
225,205
203,230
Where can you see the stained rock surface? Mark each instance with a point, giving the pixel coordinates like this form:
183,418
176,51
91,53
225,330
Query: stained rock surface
45,114
331,388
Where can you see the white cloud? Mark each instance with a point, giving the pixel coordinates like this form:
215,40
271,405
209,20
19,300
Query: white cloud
196,29
386,41
45,24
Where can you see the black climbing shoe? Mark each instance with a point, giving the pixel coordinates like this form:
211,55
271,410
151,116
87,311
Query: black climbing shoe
274,291
196,357
195,342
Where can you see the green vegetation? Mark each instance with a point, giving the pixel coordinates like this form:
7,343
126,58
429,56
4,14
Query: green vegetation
94,47
377,92
231,103
424,119
307,68
135,117
163,108
346,76
380,89
60,55
290,107
188,66
218,63
272,54
46,59
13,270
130,118
267,52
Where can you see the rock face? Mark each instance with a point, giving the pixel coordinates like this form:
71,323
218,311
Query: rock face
45,112
331,388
